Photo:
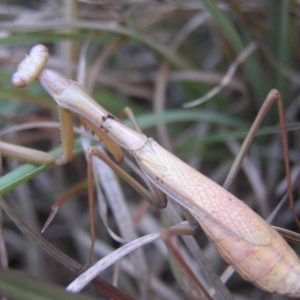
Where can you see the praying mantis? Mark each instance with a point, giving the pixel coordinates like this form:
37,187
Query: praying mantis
254,249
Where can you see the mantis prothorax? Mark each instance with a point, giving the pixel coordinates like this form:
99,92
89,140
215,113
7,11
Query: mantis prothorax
255,250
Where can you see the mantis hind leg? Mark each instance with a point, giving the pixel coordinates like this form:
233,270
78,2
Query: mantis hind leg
273,96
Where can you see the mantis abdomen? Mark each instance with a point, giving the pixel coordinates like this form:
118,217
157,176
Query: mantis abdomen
248,243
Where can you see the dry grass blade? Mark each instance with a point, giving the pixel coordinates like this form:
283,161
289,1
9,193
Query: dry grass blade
58,255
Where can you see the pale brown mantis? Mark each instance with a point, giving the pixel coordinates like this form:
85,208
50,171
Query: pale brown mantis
259,254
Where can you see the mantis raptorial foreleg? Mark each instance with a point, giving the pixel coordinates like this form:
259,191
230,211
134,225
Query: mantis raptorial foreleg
256,251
